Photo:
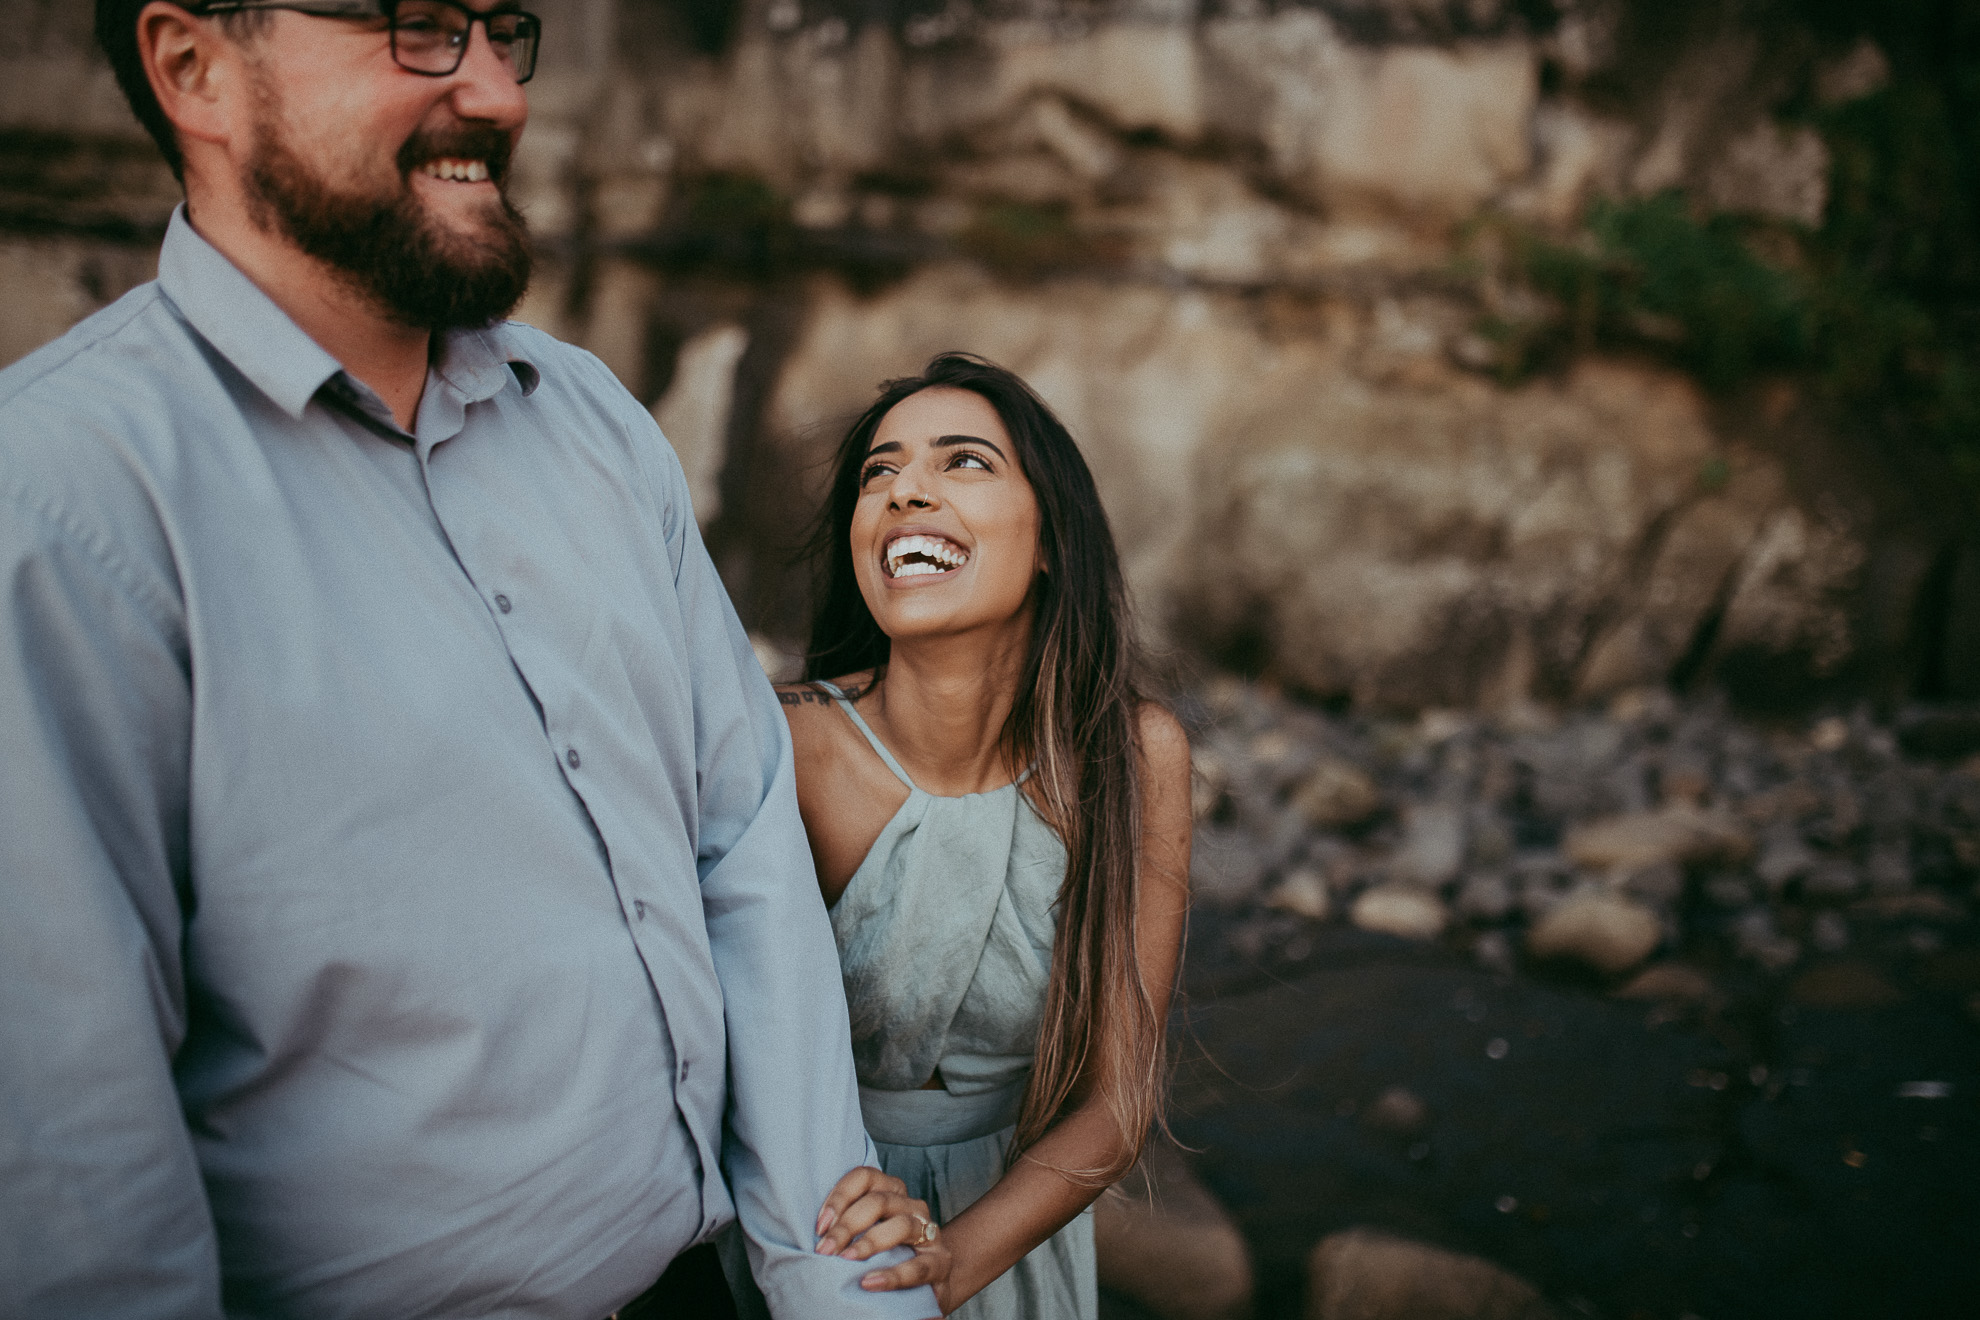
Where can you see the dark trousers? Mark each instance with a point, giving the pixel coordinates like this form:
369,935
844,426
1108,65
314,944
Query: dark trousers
693,1288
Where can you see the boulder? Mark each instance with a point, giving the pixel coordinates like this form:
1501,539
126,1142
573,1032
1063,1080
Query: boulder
1210,779
1670,982
1845,983
1432,847
1302,893
1336,793
1164,1241
1925,905
1785,856
1599,930
1828,932
1645,839
1757,936
1833,877
1400,909
1398,1111
1660,885
1485,897
1362,1274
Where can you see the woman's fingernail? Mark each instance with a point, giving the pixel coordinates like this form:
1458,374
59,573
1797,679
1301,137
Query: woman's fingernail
870,1282
825,1219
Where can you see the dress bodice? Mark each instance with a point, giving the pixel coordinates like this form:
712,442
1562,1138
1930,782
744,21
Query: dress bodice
945,936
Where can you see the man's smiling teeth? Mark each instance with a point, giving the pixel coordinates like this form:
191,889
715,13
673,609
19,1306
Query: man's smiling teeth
931,554
461,171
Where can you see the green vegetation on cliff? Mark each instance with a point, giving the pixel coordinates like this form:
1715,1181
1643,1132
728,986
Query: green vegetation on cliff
1879,307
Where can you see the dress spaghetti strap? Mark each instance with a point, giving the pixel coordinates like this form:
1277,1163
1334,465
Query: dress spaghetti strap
871,737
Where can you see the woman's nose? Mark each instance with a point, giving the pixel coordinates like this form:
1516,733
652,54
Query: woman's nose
909,493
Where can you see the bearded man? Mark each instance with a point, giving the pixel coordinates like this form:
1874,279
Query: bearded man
408,912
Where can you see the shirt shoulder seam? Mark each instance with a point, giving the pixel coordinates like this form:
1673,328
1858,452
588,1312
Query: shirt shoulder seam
97,547
152,297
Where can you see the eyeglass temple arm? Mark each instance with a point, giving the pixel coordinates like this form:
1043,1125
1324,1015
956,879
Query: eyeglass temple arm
321,8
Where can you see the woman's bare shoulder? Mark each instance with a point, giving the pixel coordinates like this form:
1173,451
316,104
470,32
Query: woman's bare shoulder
1164,743
845,793
808,706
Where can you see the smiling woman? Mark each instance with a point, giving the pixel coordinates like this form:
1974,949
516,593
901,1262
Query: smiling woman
944,533
1000,823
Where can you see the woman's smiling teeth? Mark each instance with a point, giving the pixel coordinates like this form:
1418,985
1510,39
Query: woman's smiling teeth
461,171
917,556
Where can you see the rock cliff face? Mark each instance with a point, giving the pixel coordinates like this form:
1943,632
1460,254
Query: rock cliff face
1253,253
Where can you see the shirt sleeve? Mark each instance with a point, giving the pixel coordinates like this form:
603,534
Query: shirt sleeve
104,1213
793,1123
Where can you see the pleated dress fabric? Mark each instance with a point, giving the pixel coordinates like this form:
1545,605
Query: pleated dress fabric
945,940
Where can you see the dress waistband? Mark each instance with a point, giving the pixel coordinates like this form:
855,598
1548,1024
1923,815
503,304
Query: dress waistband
936,1118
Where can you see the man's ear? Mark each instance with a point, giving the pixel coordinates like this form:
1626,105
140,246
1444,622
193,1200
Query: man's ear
185,61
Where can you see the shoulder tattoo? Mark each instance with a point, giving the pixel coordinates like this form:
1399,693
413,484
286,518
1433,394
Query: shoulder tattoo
811,696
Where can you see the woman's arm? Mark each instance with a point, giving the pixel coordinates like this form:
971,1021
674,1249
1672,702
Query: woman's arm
1032,1201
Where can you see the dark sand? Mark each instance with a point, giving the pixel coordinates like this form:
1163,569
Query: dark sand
1749,1157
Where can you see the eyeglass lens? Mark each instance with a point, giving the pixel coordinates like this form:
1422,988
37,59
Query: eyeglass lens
429,36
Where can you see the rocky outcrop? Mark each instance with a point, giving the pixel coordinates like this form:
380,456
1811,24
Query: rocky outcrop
1246,250
1314,482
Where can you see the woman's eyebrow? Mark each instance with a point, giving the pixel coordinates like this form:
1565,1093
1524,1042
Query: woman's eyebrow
886,447
943,441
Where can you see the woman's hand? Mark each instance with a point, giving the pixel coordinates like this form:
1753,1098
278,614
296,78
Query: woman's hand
870,1212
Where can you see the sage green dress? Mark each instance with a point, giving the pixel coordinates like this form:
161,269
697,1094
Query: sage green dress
945,940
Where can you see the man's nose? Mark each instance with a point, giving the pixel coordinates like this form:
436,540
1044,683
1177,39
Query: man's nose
485,86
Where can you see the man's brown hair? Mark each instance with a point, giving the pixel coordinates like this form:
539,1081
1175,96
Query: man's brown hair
116,33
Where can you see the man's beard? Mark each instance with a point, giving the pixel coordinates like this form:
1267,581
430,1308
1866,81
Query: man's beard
386,246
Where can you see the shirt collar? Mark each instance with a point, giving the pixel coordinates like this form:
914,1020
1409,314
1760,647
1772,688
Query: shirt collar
482,363
232,313
474,365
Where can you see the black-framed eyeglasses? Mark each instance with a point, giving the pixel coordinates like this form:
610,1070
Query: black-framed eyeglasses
429,37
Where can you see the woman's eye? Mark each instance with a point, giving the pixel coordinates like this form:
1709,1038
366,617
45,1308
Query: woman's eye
871,471
967,459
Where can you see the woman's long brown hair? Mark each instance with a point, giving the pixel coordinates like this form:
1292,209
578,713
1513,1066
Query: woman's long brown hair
1075,718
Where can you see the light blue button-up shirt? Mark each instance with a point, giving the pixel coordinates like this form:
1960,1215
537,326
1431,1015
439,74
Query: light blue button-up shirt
406,910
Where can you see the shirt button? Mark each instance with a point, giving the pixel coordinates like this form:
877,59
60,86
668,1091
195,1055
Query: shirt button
501,602
684,1070
571,757
639,908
